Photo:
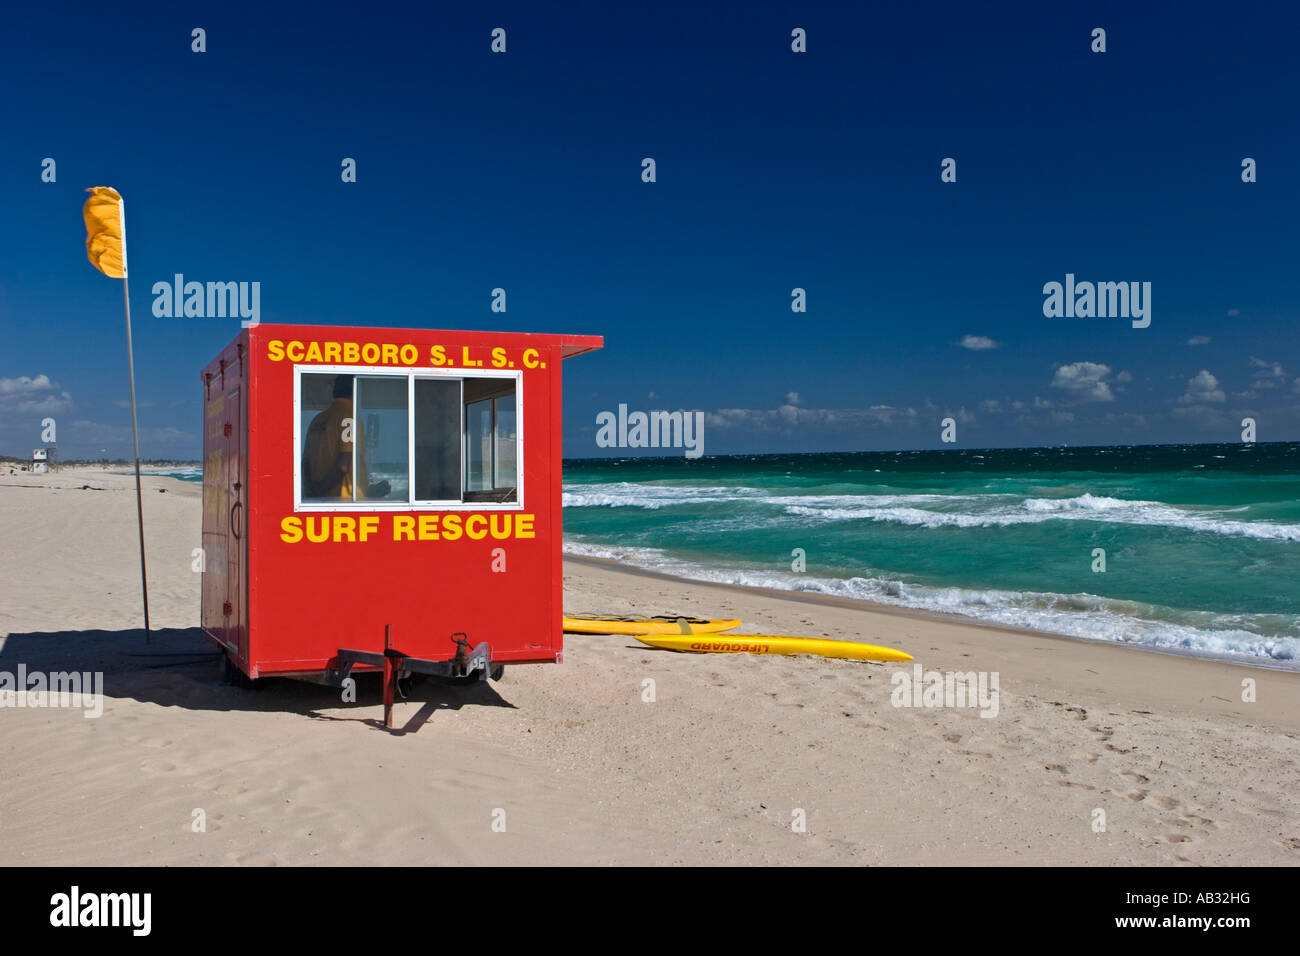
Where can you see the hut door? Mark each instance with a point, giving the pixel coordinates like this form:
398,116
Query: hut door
237,524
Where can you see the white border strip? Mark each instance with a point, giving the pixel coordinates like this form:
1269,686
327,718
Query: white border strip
411,375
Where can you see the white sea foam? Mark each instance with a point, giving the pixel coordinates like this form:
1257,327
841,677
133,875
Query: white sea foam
1085,616
936,510
628,494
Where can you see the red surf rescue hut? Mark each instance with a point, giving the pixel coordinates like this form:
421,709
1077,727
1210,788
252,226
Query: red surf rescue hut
383,499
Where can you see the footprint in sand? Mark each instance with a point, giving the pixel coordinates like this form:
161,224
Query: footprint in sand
1132,777
1137,796
250,859
1163,803
1176,838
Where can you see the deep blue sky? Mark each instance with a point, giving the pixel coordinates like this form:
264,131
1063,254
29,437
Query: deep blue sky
775,170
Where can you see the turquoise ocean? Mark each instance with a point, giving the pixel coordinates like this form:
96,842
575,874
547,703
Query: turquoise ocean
1201,542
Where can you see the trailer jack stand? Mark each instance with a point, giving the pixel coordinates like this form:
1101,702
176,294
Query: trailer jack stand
393,664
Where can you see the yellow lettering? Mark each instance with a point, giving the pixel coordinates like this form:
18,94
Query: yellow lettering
370,353
313,352
451,527
275,350
524,526
350,355
291,529
530,358
294,346
369,526
410,354
428,527
504,530
388,354
332,352
345,528
437,355
498,358
403,528
469,527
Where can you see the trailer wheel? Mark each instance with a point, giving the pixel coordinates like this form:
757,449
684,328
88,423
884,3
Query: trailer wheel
498,672
407,684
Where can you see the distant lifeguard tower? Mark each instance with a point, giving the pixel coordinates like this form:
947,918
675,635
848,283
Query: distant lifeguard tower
40,463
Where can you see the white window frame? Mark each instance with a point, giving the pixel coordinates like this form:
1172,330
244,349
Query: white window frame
410,374
493,422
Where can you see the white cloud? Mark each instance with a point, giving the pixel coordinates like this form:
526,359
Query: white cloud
1127,419
978,343
96,433
1202,389
1203,415
791,417
26,395
792,398
1199,340
1266,374
1039,403
991,405
24,384
1085,381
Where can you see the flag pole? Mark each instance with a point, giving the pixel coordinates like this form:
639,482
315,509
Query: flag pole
135,431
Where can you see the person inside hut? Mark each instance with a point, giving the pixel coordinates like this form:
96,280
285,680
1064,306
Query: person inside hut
327,452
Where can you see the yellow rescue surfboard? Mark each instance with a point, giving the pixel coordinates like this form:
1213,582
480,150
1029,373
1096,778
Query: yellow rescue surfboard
632,626
772,644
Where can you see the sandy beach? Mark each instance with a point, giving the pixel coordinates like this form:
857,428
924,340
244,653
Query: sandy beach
583,769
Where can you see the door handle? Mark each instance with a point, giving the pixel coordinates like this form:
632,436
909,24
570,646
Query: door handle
234,530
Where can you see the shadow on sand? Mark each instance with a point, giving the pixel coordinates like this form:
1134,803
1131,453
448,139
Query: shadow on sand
181,668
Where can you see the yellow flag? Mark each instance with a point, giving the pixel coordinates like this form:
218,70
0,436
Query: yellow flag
106,231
